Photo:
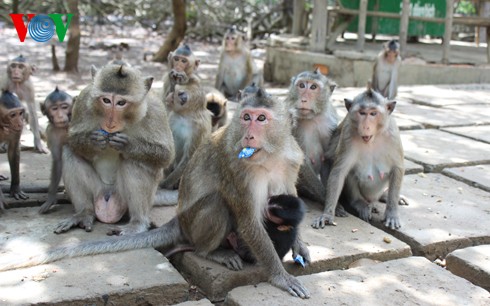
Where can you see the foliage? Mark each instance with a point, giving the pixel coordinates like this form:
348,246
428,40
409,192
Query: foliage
465,7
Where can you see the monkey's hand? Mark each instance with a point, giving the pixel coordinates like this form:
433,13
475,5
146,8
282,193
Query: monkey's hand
17,193
46,205
391,218
324,219
299,248
290,284
118,141
99,139
40,147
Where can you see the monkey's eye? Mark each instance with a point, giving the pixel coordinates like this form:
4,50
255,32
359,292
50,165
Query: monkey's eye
261,117
106,101
21,66
313,87
184,60
54,108
246,117
65,106
373,114
362,113
121,103
302,85
21,113
12,115
13,66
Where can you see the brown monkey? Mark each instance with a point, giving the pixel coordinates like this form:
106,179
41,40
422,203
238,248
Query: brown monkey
366,155
216,103
119,142
190,123
182,64
316,119
11,124
236,66
222,193
18,81
385,71
57,107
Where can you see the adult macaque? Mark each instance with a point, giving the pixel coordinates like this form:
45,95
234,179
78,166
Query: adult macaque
216,103
236,67
57,107
119,142
366,155
182,64
11,124
316,119
18,81
385,71
222,193
190,123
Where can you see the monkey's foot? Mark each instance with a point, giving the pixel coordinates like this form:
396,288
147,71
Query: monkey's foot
85,221
228,258
392,220
18,194
129,229
324,219
290,284
40,148
340,211
46,206
364,212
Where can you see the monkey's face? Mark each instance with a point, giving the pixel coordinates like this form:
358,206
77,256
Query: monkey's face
180,63
178,100
12,119
255,124
391,56
18,72
308,99
114,108
369,120
59,113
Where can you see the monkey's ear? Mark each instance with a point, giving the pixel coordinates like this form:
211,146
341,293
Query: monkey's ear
44,111
332,86
169,58
260,93
148,82
197,63
93,71
348,104
390,106
33,69
317,70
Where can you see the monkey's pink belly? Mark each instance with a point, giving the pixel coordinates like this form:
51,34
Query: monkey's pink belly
109,209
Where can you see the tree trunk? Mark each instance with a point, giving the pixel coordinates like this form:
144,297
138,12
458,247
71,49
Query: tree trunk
54,59
73,45
15,7
177,33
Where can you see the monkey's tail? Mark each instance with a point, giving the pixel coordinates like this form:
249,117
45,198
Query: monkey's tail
165,236
165,197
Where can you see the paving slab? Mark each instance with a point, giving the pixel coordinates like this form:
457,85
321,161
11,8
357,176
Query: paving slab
135,277
411,167
408,281
480,133
435,117
436,149
443,215
334,247
203,302
471,263
440,95
477,176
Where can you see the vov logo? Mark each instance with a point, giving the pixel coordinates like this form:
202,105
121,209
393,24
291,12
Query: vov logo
41,27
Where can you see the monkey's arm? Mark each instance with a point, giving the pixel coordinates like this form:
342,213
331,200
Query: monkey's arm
391,218
219,76
33,121
56,168
392,90
14,160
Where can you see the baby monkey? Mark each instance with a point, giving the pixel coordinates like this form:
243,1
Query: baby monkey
57,107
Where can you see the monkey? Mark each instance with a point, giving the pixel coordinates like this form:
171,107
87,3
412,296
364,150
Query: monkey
366,156
18,81
249,90
182,64
222,193
385,70
117,56
119,141
12,114
283,216
190,123
57,107
216,103
309,100
236,67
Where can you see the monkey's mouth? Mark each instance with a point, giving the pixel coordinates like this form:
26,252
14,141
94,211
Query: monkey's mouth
61,124
366,139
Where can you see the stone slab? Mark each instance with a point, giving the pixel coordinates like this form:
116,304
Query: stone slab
435,117
444,95
411,167
334,247
203,302
408,281
477,176
480,133
131,278
436,149
443,215
471,263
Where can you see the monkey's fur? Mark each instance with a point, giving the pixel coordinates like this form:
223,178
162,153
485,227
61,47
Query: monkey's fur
366,156
221,193
123,166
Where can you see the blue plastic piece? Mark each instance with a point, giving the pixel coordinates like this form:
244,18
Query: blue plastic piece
299,259
246,152
104,132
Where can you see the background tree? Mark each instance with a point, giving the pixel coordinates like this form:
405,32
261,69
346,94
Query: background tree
73,45
177,33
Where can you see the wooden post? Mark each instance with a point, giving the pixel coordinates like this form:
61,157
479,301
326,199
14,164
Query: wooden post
361,30
488,45
404,27
319,26
448,29
298,16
